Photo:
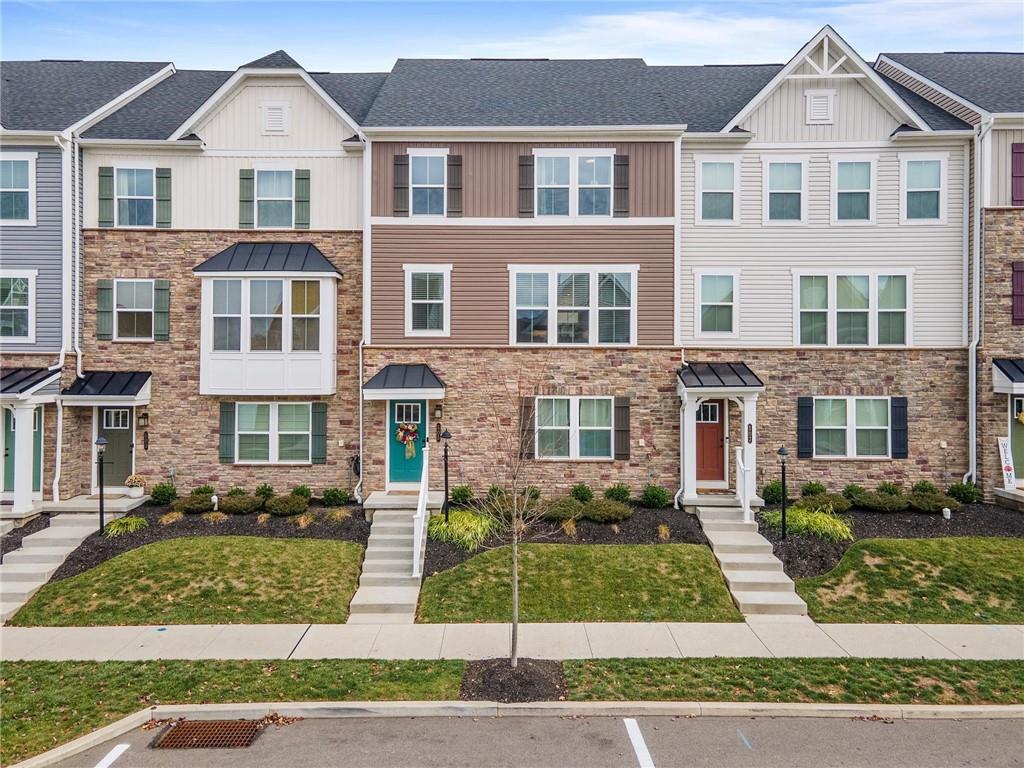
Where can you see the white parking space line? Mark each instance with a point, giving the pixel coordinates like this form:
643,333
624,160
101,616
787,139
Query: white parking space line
112,755
639,746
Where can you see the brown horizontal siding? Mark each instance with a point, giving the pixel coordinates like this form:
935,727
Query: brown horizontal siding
480,257
490,175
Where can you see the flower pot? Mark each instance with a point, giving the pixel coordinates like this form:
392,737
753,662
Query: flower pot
135,493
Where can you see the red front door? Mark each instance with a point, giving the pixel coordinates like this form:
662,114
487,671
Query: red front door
711,440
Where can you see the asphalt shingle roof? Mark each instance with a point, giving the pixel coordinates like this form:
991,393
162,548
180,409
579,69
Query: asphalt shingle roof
706,98
53,95
353,91
937,118
993,81
277,60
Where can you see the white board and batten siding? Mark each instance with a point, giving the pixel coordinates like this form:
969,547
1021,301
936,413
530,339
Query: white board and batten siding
1002,142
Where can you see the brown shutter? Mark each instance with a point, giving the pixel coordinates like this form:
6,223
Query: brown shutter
622,185
622,428
400,185
527,408
454,207
1018,292
526,187
1017,174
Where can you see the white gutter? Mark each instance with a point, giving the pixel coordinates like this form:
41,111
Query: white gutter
667,128
76,250
677,161
143,143
366,300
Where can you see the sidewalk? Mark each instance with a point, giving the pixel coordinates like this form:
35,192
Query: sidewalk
795,636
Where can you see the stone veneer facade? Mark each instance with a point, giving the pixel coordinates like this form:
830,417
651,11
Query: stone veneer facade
14,359
184,425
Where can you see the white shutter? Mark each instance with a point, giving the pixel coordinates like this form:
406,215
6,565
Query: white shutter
819,106
275,117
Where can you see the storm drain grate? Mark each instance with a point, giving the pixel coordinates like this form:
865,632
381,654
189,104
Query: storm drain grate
209,734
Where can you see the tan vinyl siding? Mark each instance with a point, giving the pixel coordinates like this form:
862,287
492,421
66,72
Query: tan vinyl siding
951,105
480,287
1002,141
490,175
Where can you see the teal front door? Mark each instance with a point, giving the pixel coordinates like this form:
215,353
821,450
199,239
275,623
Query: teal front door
37,448
403,468
117,426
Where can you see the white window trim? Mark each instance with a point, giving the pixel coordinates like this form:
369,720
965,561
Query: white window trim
31,275
574,428
285,119
737,167
810,94
872,190
766,162
293,316
152,310
31,158
441,152
274,434
117,207
214,314
444,269
851,428
256,197
873,310
574,153
698,275
286,300
943,158
553,271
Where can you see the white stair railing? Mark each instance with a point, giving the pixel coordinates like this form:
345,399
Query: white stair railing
743,486
421,514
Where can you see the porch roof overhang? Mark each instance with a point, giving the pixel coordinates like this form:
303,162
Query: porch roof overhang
717,379
31,384
404,381
126,388
1008,375
277,258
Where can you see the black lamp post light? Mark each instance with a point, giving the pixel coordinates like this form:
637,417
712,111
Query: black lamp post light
446,436
101,448
783,453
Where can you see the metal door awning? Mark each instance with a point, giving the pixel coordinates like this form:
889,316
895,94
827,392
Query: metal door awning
404,381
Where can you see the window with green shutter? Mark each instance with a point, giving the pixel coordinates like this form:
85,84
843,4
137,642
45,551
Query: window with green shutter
105,215
104,309
246,197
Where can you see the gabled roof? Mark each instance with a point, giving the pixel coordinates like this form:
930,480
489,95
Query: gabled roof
354,91
518,92
54,95
276,60
706,98
269,257
936,117
992,81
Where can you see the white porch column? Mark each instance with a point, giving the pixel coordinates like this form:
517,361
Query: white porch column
750,442
689,457
24,452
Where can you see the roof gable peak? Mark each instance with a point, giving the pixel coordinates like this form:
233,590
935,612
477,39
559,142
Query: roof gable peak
279,59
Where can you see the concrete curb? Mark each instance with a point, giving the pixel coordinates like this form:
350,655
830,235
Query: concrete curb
350,709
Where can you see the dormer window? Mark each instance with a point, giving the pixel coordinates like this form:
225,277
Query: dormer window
820,106
274,115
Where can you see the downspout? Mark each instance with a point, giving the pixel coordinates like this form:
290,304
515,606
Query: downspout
677,267
367,187
76,250
66,315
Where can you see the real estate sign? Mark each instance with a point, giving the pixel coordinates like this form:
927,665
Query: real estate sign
1006,461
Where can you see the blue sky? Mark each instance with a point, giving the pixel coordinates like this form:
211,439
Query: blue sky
369,36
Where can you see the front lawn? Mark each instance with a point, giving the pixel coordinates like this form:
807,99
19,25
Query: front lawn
47,703
947,581
206,580
582,582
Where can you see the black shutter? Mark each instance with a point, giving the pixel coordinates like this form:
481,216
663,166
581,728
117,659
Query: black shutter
526,431
227,433
526,187
622,428
454,207
622,185
400,185
898,418
805,427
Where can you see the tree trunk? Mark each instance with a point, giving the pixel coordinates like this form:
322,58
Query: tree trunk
515,600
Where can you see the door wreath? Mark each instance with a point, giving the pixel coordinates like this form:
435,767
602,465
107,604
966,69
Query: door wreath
406,435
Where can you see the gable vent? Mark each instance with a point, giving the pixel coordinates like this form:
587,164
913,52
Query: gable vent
275,118
820,106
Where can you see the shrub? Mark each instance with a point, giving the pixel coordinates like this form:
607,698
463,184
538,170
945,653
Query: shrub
204,490
465,529
932,503
286,506
824,502
881,502
889,489
264,491
495,492
531,493
169,518
607,511
124,526
304,491
924,486
462,495
336,497
582,492
655,497
965,493
618,492
564,508
853,491
772,492
802,522
163,493
813,488
235,491
244,504
195,504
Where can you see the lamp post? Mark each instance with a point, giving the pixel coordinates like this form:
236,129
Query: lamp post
101,448
446,436
783,453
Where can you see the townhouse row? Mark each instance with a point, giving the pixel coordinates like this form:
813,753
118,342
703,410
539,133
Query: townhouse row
633,274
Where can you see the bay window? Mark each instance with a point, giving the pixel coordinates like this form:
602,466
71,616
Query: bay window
851,427
574,427
275,310
305,315
273,433
266,304
227,315
573,182
852,310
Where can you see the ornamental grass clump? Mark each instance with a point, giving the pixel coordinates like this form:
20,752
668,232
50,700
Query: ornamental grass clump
801,522
169,518
124,526
831,502
465,529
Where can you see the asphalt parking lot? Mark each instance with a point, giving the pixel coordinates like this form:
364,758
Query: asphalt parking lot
590,742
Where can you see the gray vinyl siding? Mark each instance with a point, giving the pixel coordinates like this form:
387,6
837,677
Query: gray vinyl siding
39,247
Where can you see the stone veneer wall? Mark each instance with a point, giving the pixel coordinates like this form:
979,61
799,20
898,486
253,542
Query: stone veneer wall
183,430
1003,233
13,359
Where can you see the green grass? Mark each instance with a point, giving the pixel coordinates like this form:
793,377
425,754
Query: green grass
953,581
206,580
47,703
876,681
582,582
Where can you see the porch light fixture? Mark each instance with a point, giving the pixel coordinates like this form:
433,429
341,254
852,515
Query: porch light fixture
101,448
438,411
143,419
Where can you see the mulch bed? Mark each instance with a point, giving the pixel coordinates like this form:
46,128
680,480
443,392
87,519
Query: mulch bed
641,528
12,540
97,549
805,556
531,680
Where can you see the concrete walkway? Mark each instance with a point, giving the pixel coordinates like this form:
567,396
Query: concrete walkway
795,636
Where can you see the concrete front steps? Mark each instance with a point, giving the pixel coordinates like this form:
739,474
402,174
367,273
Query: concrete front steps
388,592
753,574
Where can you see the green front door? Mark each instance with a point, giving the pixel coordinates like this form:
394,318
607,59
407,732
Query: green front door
37,447
115,424
1017,438
403,468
